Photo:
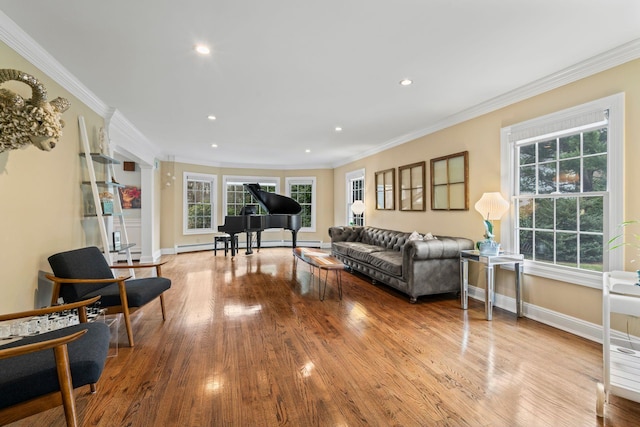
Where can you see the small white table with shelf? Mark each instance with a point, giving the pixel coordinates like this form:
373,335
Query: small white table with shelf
621,352
489,261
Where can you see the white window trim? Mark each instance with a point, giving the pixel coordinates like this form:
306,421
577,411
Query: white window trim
304,180
612,260
350,176
214,197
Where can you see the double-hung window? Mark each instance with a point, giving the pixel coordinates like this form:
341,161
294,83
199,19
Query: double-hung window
354,191
565,184
303,191
199,196
236,196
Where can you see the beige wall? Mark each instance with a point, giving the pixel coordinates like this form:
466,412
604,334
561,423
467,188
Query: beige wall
42,206
481,137
172,216
40,194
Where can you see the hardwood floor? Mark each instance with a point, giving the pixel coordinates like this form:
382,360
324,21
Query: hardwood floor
248,343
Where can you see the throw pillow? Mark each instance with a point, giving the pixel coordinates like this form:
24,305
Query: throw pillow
430,236
415,236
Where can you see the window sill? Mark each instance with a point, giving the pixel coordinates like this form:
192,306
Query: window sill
590,279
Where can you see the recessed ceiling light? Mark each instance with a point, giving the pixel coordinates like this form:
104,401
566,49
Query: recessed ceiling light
211,117
203,49
307,151
338,129
405,82
214,145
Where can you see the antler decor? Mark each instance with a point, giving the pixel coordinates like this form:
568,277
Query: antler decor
31,121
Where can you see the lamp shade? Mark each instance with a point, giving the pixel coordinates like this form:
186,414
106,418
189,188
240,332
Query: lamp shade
357,207
492,206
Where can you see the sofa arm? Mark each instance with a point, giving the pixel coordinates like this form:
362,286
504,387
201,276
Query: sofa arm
345,233
441,248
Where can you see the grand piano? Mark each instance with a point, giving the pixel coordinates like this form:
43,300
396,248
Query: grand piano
282,212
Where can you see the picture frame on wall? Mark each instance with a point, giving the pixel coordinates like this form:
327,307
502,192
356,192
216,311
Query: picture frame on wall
412,187
450,182
385,189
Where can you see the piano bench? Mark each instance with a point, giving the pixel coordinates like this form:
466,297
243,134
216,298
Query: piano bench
224,238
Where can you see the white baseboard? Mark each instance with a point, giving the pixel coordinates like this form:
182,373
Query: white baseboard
241,245
584,329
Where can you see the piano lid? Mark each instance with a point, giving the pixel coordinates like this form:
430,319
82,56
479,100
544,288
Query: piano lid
274,203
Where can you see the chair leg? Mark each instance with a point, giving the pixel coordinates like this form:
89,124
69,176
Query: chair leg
164,314
125,311
66,387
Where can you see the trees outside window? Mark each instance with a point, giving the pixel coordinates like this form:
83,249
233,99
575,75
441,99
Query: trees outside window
199,203
564,176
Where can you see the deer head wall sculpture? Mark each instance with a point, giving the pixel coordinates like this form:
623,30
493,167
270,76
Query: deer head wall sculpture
31,121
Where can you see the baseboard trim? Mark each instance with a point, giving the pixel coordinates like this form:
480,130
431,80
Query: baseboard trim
575,326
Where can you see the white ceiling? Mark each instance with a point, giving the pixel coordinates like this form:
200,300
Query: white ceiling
284,73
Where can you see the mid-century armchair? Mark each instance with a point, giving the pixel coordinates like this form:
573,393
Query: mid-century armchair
39,372
84,273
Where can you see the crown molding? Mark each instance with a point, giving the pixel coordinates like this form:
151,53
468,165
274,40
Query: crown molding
23,44
596,64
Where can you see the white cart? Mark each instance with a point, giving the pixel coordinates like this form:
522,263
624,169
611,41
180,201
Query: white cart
621,351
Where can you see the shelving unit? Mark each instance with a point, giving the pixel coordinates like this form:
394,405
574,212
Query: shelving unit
93,206
621,352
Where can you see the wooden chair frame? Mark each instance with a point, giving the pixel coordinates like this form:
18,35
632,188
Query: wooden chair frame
124,307
65,396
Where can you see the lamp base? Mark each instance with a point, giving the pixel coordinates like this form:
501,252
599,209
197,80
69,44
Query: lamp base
488,247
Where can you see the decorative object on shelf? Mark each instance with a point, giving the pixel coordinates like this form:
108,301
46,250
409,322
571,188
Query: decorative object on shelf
116,240
491,206
29,121
106,202
130,197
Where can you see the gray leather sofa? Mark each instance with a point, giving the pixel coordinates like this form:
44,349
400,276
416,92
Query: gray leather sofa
414,267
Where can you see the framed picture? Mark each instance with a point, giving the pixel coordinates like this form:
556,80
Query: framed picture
130,197
385,191
450,182
116,240
412,187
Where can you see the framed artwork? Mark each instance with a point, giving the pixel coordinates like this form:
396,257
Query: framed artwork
450,182
385,191
130,197
412,186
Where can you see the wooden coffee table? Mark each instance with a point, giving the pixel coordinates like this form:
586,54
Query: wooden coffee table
321,261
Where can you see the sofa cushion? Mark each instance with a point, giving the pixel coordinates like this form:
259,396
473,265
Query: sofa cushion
389,261
355,250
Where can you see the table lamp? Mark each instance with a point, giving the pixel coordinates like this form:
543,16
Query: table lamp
491,206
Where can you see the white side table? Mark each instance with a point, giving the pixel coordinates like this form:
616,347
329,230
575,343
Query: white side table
489,262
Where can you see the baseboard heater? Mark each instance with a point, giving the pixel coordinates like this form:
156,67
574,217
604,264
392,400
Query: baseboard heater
264,244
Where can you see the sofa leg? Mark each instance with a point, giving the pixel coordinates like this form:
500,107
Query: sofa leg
374,281
413,300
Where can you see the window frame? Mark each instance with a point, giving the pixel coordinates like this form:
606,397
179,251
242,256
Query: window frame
613,197
241,179
304,180
213,180
350,178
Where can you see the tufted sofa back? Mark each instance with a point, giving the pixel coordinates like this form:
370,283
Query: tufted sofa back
388,239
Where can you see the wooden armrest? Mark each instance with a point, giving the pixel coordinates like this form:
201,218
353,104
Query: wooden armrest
158,264
48,310
63,281
30,348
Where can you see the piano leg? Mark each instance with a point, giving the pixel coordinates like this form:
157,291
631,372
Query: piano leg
233,244
249,241
258,239
294,238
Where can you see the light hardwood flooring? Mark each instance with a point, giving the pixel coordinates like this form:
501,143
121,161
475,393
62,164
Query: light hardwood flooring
248,343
